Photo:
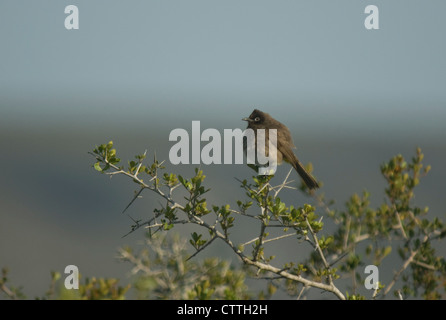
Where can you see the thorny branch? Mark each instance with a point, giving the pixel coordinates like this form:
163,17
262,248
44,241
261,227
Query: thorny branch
195,219
354,230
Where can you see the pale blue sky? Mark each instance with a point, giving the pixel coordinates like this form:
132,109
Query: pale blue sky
312,56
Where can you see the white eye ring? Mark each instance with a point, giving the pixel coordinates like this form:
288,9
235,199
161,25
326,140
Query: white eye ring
257,119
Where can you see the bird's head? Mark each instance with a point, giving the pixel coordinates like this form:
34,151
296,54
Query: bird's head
256,118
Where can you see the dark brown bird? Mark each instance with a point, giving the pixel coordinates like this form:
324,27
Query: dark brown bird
262,120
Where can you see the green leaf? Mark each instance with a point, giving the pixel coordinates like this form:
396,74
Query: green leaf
97,166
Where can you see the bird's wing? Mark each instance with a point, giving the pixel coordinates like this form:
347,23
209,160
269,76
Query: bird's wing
284,135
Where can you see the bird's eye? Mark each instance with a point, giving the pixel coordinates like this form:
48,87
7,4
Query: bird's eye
257,119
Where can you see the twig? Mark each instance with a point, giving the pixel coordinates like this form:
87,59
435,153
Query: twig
375,292
260,239
424,265
396,276
202,248
327,287
281,186
301,292
347,232
140,164
400,223
133,200
8,292
404,267
321,253
270,240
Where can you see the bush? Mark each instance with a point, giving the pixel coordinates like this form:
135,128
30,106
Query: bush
364,237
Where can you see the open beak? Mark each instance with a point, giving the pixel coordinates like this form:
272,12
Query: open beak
247,119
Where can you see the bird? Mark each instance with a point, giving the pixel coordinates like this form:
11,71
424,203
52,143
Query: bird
262,120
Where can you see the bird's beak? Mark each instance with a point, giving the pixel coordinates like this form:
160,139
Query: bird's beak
247,119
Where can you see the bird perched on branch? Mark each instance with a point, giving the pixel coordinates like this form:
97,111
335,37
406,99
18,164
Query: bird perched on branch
261,120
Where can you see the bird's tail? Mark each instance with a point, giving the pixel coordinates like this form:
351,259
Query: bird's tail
306,177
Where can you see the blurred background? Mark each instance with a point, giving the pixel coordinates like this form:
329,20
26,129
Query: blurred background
135,70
